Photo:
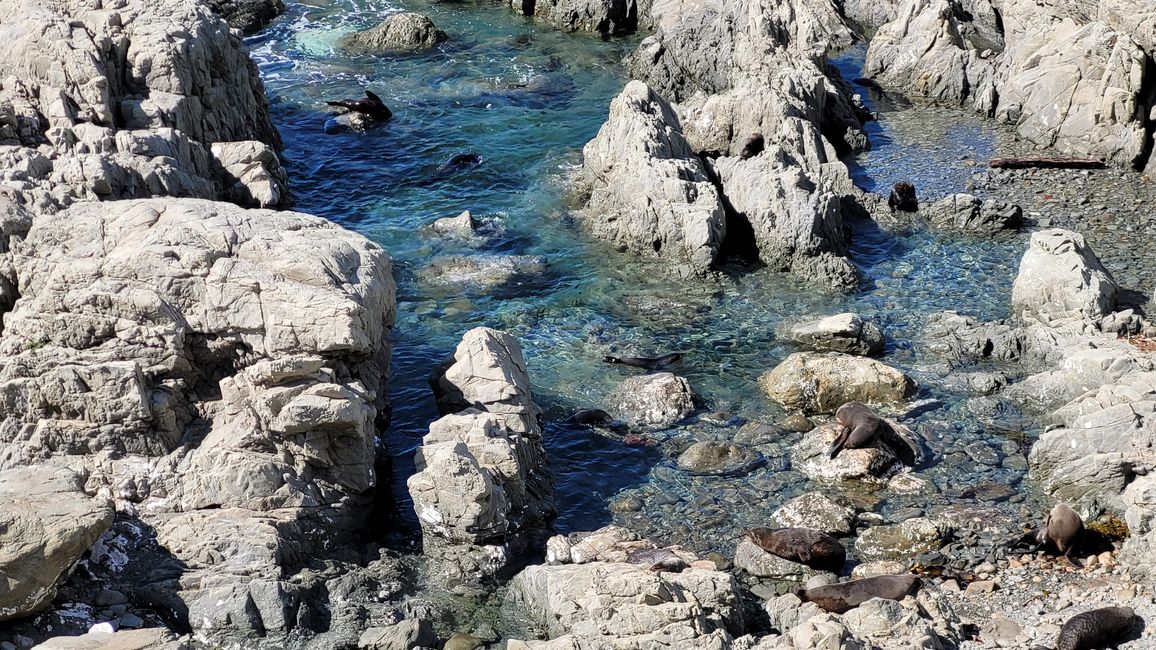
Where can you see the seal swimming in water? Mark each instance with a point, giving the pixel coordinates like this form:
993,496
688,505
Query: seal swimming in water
596,418
803,545
862,428
646,363
753,147
1098,628
1062,529
903,198
458,163
844,596
371,106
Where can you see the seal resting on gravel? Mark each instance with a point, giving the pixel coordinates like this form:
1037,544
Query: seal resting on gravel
1062,530
862,428
903,198
371,106
1098,628
842,597
803,545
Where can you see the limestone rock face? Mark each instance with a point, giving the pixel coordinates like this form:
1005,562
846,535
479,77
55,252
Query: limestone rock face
602,16
1067,76
820,383
152,638
141,123
611,605
1060,277
483,481
847,333
646,191
258,337
657,400
403,31
46,523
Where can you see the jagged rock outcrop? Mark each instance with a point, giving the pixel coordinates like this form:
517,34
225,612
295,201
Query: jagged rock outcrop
114,101
46,523
645,190
1068,75
607,17
483,485
822,382
616,605
1061,278
399,32
220,368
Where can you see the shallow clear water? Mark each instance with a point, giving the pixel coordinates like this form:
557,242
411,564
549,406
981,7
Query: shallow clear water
457,98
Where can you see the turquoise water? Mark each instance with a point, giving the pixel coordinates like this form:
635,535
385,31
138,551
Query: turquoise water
526,98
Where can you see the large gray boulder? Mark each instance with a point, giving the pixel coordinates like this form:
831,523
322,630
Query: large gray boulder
483,481
46,523
966,213
645,190
659,400
136,125
612,605
1061,278
815,510
399,32
817,382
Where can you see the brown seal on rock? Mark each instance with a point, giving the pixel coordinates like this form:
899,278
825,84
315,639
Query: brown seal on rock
845,596
1098,628
862,429
803,545
1062,530
903,198
659,559
371,106
753,147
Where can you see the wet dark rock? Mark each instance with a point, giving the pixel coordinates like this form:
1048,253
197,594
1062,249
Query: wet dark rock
847,333
247,15
966,213
757,433
902,198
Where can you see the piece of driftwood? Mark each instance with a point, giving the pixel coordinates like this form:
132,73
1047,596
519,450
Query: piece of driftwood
1063,163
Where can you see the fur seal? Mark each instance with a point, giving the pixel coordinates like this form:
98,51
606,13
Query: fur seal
862,428
845,596
903,198
753,147
646,363
596,418
371,106
1062,530
803,545
459,163
1098,628
659,559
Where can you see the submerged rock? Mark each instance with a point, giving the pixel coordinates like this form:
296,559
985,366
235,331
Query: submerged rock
463,225
719,459
486,272
399,32
820,383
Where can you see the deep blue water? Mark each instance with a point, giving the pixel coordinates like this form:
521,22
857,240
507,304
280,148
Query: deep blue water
467,95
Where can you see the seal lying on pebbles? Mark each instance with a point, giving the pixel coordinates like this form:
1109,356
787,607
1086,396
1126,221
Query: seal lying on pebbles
371,106
646,363
803,545
1098,628
862,428
842,597
903,198
1062,530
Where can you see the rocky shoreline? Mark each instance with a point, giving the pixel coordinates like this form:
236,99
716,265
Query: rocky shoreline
194,379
